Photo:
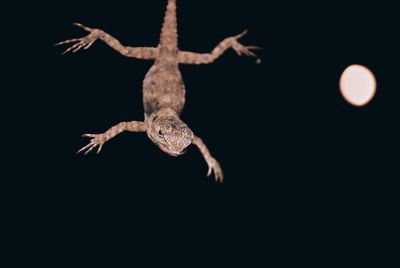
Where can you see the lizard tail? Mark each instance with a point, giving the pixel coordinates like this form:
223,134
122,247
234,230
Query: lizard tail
169,32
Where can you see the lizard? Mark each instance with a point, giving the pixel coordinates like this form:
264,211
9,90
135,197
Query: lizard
163,88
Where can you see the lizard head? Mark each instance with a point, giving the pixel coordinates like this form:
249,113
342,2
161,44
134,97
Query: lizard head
170,134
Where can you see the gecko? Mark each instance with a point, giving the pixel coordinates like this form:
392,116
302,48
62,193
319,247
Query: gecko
163,88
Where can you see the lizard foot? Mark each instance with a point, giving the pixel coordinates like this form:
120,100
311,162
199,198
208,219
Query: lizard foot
241,49
84,42
97,140
214,166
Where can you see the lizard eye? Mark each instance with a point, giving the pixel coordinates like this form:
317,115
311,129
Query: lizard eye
160,133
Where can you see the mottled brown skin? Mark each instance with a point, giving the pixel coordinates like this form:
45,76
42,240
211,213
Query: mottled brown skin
163,88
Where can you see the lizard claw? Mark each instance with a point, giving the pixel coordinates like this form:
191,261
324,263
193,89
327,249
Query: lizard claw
83,26
214,166
97,140
241,34
84,42
244,50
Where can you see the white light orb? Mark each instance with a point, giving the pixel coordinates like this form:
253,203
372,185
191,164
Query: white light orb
357,85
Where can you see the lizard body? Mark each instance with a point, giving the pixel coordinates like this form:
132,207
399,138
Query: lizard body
163,88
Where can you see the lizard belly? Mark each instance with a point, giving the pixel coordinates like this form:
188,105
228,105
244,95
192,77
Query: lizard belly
163,87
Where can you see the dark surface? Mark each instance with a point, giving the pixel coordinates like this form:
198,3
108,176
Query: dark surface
304,170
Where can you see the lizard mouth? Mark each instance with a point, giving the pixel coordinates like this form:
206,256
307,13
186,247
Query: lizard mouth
183,151
178,153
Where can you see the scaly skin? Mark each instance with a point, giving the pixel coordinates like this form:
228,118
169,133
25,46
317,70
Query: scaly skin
163,88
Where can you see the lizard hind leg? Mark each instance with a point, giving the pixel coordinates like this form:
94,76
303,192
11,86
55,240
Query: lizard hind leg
187,57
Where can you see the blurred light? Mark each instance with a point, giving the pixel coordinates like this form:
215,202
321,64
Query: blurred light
357,85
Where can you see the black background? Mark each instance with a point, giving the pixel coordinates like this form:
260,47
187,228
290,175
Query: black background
306,174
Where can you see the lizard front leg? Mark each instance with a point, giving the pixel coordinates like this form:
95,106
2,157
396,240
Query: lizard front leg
187,57
100,139
213,165
147,53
